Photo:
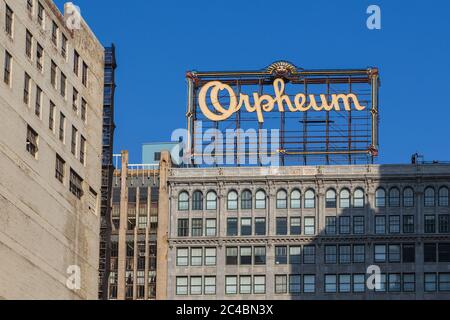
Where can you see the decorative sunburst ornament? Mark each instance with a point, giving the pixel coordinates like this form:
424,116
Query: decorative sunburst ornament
282,68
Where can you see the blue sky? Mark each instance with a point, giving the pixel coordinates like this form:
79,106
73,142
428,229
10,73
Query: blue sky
158,41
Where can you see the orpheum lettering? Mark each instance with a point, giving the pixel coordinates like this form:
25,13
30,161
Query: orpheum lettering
267,103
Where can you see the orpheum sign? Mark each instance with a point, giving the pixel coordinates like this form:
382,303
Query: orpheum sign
322,116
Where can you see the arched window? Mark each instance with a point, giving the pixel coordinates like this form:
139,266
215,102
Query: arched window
344,198
330,198
183,201
281,199
394,197
429,197
358,198
232,200
296,199
197,200
408,197
380,198
211,200
246,200
260,199
443,197
310,199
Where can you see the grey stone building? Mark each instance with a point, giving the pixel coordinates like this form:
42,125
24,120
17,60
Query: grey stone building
306,232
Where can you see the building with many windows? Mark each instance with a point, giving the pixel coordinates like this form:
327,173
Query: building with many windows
306,232
51,92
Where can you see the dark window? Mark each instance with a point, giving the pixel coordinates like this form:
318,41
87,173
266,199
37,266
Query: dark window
84,74
41,14
394,224
429,252
157,156
246,200
55,33
358,225
296,228
430,224
53,74
260,226
409,253
73,144
408,224
76,62
231,256
28,44
409,282
75,100
26,89
197,227
83,109
408,197
246,255
443,197
281,226
359,253
246,226
394,253
64,46
444,223
82,149
380,198
183,227
345,254
60,168
232,227
295,254
444,252
76,184
63,85
9,16
330,254
394,197
197,200
330,225
309,254
260,255
32,142
344,225
62,126
280,255
51,116
39,57
429,197
380,224
37,107
8,66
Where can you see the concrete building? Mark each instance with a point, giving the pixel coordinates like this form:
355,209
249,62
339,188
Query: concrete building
307,232
51,97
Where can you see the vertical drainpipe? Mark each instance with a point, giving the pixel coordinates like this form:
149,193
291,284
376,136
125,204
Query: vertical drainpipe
123,227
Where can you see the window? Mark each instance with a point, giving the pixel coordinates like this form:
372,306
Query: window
394,253
41,14
32,142
380,253
28,44
73,145
183,201
344,225
246,226
408,224
394,282
62,126
231,285
260,255
380,198
295,254
231,258
330,254
309,283
280,284
55,33
232,227
83,109
84,74
394,224
196,286
309,254
444,252
330,225
9,17
408,253
60,168
82,149
76,184
183,227
359,283
295,227
430,224
232,200
259,284
429,197
211,200
246,200
260,200
295,199
64,46
358,198
39,57
380,224
430,282
444,282
330,283
359,253
182,257
37,108
345,283
30,6
295,283
197,201
26,89
281,199
182,286
51,116
344,199
310,226
196,256
245,255
330,199
211,227
76,62
53,74
383,281
280,255
394,197
75,100
63,85
443,197
281,226
260,226
429,252
345,254
8,68
310,202
408,197
197,227
444,220
245,284
210,285
358,225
